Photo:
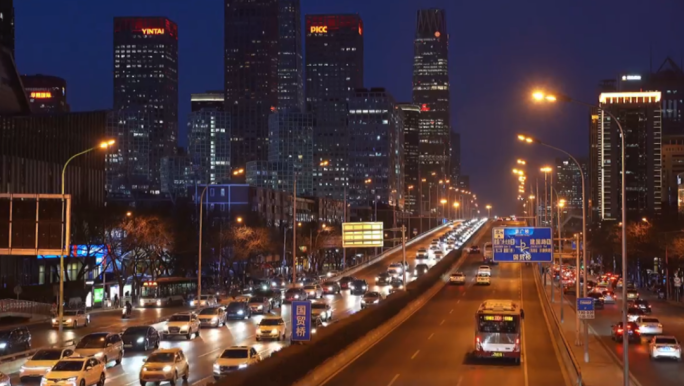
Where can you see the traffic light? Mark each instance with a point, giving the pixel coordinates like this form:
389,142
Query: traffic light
49,223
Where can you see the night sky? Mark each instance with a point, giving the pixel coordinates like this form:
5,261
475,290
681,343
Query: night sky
499,50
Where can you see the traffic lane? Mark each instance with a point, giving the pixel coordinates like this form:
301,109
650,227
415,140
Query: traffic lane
543,364
453,341
647,371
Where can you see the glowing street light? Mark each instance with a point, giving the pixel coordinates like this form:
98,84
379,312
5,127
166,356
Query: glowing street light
238,172
521,162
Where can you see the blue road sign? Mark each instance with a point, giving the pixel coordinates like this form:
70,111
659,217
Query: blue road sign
301,321
585,308
574,245
522,245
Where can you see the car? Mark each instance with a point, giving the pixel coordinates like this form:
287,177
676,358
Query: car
649,325
105,346
483,279
332,273
295,294
457,278
259,304
370,298
420,270
316,324
212,317
205,301
141,338
599,304
331,288
184,324
600,288
664,346
313,291
608,297
632,294
634,334
433,249
15,340
474,249
438,255
238,310
165,365
643,304
81,371
421,252
450,245
590,285
73,319
5,380
398,266
484,270
397,283
275,297
235,358
358,287
306,280
633,313
41,362
278,283
321,310
345,280
422,259
383,278
271,327
393,272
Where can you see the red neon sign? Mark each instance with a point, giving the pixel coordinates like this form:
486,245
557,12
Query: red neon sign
424,107
41,94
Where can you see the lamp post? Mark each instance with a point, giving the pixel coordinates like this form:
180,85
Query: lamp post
443,202
456,206
60,316
559,205
489,211
199,252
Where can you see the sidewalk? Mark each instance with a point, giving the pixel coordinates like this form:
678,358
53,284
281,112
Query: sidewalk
603,368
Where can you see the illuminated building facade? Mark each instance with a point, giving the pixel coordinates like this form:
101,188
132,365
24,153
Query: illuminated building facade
640,116
411,119
673,167
209,146
250,75
145,119
210,100
376,150
334,69
47,94
7,25
431,91
290,63
568,182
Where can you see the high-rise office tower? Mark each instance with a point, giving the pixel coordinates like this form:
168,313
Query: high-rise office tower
568,182
251,75
145,118
209,133
7,25
376,150
334,69
431,91
290,70
47,94
639,113
411,118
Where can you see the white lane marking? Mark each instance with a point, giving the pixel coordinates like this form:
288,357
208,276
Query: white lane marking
210,352
458,301
431,335
452,310
442,322
460,379
415,354
393,380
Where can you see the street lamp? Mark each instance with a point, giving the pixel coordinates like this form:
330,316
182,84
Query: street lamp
129,214
239,220
238,172
101,145
540,96
584,237
489,211
521,162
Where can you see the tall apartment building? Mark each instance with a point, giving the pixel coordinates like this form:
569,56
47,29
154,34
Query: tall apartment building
47,94
431,91
568,181
209,134
250,75
334,68
376,150
673,169
145,119
411,121
639,113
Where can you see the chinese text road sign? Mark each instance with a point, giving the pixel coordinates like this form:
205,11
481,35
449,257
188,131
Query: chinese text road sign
574,246
301,321
585,308
522,245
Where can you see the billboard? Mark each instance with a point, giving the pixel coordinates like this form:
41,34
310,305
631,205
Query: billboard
362,235
522,245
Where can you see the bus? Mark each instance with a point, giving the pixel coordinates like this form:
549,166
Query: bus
488,254
497,330
167,291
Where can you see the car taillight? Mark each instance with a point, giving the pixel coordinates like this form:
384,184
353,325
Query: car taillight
619,330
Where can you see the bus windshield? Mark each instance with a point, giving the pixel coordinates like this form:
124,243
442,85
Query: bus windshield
505,324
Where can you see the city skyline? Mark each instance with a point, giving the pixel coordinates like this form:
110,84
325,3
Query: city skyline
391,43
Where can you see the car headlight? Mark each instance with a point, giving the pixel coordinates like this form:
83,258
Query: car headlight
142,303
415,271
159,302
3,345
192,303
274,331
69,321
330,288
313,330
261,307
296,296
214,319
167,369
140,340
351,286
99,354
185,327
377,278
376,301
240,312
274,284
54,320
242,366
363,301
216,366
364,287
72,379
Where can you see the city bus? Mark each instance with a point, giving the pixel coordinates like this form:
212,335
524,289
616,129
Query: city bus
498,330
167,291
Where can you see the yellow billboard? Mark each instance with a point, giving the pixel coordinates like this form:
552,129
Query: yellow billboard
362,235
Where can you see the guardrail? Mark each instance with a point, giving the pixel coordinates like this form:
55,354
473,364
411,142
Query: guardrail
561,343
24,307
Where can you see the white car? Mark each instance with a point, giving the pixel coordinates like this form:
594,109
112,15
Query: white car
205,301
608,297
235,358
394,272
483,279
438,255
649,325
77,371
41,362
433,249
663,346
165,365
73,319
212,317
399,267
102,345
457,278
271,327
321,310
182,324
484,270
313,291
